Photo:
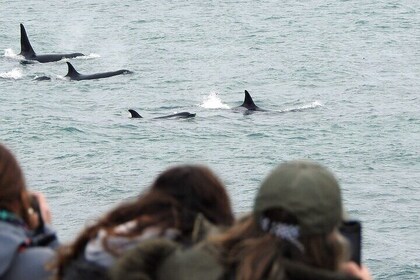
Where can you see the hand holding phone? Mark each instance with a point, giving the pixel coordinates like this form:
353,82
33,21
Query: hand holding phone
40,206
361,272
36,207
41,236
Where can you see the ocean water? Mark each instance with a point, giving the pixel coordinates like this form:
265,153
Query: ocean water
340,78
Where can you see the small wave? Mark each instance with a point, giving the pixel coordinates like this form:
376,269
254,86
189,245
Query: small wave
212,101
72,129
169,107
312,105
257,135
13,75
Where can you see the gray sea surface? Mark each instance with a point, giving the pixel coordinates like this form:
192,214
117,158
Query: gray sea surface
341,79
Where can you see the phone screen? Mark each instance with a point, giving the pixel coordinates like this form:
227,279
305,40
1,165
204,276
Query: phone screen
352,230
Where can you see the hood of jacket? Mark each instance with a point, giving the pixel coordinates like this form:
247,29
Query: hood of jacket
11,238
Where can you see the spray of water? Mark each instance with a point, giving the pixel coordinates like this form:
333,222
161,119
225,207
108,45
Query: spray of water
9,53
213,101
14,74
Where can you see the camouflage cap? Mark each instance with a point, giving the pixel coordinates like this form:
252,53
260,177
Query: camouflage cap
306,190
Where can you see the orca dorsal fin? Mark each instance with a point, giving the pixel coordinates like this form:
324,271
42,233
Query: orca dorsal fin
134,114
72,73
25,46
248,102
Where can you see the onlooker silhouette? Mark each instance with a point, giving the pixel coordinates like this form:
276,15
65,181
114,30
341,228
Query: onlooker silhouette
291,234
181,205
26,241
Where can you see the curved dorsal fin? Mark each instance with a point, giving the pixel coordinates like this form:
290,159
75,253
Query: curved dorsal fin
248,102
134,114
72,73
25,46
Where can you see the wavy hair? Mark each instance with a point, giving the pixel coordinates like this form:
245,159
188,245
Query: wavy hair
173,201
251,254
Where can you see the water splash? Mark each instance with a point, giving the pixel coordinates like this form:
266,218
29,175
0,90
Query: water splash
15,74
212,101
61,77
9,53
314,104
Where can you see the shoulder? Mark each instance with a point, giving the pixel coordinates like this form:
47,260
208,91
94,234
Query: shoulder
10,233
31,264
143,261
18,263
83,269
11,238
198,262
296,270
165,259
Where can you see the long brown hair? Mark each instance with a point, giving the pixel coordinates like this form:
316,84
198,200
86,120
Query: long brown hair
250,253
14,196
174,200
199,190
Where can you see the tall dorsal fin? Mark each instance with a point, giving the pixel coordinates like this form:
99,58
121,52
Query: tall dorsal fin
25,46
72,73
248,102
134,114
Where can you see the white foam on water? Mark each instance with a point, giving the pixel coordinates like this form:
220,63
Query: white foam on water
213,101
311,105
89,56
14,74
9,53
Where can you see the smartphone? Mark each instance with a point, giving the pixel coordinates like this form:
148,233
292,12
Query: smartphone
352,231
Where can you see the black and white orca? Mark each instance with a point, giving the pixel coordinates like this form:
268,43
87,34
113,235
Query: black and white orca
28,52
248,105
182,115
72,74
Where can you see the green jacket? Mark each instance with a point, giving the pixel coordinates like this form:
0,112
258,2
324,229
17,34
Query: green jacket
163,259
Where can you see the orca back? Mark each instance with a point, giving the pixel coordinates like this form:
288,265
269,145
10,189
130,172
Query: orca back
74,75
181,115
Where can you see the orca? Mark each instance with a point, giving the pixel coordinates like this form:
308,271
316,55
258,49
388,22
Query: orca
28,52
249,105
182,115
72,74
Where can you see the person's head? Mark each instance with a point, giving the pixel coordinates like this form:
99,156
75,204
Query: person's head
295,217
14,196
173,201
198,190
307,191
